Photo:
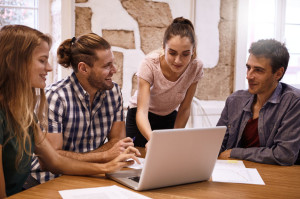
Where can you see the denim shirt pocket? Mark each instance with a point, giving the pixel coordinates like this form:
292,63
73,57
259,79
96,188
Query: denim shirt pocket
230,129
232,134
266,137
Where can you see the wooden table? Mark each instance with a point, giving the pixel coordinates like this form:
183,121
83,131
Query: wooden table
281,182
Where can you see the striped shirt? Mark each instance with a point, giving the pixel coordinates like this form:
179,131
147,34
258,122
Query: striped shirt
84,128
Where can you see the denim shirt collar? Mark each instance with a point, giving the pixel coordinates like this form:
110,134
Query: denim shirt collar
274,99
248,104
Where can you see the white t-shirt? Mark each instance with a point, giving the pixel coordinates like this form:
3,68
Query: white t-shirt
165,95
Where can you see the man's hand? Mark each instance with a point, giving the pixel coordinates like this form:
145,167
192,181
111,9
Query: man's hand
119,147
127,158
225,154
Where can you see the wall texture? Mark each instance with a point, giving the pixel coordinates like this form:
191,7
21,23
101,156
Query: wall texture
152,18
217,83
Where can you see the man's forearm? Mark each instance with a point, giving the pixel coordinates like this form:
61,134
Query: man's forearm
92,156
108,145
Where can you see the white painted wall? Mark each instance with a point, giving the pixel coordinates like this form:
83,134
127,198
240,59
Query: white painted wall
44,16
241,45
207,17
181,8
67,29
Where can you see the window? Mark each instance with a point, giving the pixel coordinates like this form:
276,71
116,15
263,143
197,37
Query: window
23,12
292,39
278,19
32,13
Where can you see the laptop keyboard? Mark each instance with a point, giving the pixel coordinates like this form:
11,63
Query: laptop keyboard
136,178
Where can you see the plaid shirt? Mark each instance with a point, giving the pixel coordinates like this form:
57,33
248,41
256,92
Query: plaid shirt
84,128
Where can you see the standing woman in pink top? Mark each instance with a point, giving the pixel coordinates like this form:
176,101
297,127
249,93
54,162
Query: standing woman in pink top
167,81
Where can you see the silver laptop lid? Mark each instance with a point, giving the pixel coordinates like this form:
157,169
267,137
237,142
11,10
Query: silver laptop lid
179,156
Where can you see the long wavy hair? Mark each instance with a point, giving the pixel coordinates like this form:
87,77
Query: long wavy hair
18,99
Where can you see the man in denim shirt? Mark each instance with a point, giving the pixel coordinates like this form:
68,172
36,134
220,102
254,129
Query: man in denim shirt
263,122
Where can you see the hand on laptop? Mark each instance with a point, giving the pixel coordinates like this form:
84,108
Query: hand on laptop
119,147
127,158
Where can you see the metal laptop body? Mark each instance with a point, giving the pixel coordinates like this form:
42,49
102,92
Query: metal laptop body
175,156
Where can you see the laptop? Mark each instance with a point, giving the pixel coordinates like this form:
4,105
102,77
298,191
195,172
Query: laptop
174,157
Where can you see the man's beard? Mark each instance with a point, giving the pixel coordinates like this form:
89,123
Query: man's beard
100,85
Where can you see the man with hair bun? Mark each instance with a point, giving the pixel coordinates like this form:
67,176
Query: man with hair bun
86,108
263,122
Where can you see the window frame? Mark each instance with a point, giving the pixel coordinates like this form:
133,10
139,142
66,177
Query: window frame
44,17
242,39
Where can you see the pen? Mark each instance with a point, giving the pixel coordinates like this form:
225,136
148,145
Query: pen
133,139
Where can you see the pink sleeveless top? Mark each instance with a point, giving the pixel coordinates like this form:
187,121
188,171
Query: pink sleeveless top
165,96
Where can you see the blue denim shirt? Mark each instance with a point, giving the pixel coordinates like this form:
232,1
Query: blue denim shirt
278,126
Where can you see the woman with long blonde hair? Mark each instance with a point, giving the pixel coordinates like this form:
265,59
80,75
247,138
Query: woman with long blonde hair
23,69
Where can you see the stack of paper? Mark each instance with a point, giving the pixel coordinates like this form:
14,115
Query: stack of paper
234,171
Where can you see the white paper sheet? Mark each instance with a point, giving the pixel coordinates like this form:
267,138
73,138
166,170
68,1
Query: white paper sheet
109,192
234,171
136,165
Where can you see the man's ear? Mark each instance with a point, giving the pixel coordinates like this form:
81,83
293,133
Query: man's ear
279,73
82,67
